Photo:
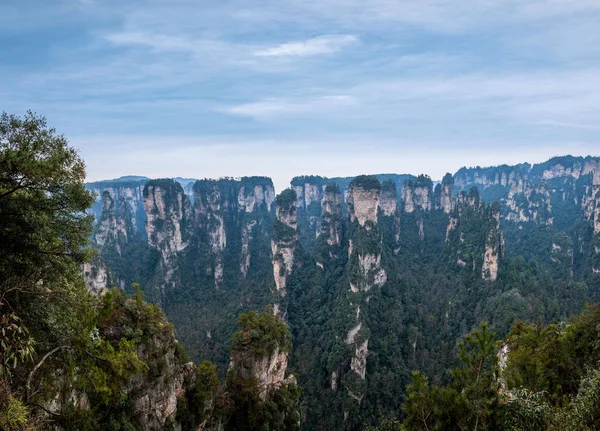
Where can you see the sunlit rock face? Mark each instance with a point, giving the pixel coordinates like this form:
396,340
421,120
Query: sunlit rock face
169,223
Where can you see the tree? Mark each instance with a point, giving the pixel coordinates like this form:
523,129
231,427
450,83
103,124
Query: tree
476,378
44,229
44,232
419,405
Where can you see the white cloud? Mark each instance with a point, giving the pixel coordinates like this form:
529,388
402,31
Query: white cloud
316,46
276,107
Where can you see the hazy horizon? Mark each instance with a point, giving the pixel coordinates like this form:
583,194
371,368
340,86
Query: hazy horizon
334,87
282,182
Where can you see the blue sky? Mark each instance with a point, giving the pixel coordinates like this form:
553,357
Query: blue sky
290,87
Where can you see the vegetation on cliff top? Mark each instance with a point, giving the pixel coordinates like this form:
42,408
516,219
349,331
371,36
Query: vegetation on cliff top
261,334
367,182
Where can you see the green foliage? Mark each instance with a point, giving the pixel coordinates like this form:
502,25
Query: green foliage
554,358
366,182
583,413
308,179
208,387
332,188
524,410
388,425
420,404
17,346
249,412
470,401
286,199
261,334
14,415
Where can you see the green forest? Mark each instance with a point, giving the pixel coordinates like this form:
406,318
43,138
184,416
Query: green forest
122,310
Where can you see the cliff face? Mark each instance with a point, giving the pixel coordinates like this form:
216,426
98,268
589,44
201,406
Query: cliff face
255,202
129,193
309,196
154,393
494,247
328,248
168,224
96,276
364,273
417,195
331,227
284,241
555,194
529,203
115,226
269,371
209,218
474,240
443,195
158,397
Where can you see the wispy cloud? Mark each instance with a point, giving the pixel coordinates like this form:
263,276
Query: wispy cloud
275,108
396,73
315,46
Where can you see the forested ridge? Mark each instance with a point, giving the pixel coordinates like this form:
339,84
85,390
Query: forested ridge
341,288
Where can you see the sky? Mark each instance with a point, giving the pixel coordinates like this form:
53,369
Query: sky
207,88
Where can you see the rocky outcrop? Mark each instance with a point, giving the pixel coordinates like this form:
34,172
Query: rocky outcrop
443,195
255,199
418,194
494,247
259,359
168,223
529,203
158,397
365,272
331,226
256,192
130,193
155,391
469,222
96,276
209,219
484,178
269,371
284,239
114,227
329,242
363,202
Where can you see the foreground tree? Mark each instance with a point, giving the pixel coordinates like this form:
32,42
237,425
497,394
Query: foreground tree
45,311
44,233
